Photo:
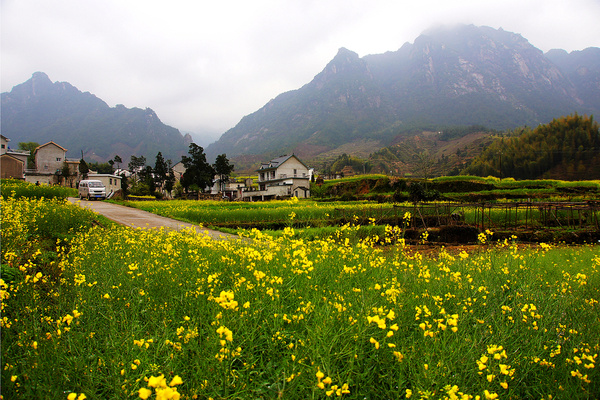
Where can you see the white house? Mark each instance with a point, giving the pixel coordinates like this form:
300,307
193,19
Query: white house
284,176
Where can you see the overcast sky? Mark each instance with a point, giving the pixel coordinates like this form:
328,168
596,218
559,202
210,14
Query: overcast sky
203,65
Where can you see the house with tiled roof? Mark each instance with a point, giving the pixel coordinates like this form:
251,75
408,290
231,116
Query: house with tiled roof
284,176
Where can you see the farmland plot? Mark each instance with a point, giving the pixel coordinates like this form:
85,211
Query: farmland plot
122,313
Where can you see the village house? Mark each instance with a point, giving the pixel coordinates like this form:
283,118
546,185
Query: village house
232,189
11,167
284,176
50,159
12,162
178,170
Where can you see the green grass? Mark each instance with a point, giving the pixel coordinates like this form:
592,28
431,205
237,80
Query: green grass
269,215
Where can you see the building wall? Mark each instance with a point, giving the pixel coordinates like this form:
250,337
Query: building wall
292,168
21,155
301,189
3,145
49,158
11,167
46,179
111,182
178,170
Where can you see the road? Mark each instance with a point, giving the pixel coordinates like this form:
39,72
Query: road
142,219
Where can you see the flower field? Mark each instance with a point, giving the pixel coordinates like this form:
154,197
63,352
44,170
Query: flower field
114,313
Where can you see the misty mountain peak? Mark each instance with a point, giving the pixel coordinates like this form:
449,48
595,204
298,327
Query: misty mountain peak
40,78
449,75
345,65
39,111
38,85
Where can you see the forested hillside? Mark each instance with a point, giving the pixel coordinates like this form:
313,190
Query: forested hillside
566,148
425,153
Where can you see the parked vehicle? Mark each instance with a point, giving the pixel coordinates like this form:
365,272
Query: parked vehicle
92,189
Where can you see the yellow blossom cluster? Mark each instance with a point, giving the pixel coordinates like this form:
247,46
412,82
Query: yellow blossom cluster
325,383
161,389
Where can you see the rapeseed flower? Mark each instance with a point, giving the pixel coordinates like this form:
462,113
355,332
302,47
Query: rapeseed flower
144,393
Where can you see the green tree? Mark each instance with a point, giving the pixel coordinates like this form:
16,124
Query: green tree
136,164
170,181
549,150
29,146
117,160
83,169
124,184
357,164
223,169
198,172
161,171
65,172
101,168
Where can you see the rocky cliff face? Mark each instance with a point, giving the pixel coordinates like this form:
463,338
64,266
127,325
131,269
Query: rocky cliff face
463,75
582,68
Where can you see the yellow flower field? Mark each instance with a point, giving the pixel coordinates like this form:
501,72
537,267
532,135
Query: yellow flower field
120,313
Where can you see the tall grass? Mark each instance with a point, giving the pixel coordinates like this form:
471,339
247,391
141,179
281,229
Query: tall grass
125,313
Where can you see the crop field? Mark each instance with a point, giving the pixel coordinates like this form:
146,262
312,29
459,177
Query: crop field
324,219
114,313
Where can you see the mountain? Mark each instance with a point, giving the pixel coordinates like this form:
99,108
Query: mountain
452,76
582,68
39,111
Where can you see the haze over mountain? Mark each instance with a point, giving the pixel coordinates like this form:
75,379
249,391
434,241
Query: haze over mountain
40,111
462,75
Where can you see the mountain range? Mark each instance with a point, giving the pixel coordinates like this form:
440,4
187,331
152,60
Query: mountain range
40,111
461,75
449,77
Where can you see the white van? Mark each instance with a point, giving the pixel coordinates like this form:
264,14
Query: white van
92,189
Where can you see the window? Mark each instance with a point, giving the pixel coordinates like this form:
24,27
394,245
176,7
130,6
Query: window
110,181
58,158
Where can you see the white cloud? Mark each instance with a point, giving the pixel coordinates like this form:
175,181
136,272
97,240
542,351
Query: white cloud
202,66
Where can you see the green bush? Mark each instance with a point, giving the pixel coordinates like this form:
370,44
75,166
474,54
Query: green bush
17,189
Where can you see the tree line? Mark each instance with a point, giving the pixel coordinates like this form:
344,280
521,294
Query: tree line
198,175
148,180
566,148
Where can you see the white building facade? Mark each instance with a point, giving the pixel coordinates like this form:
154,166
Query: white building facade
285,176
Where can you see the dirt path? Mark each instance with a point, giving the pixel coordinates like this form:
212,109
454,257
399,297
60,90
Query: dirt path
142,219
